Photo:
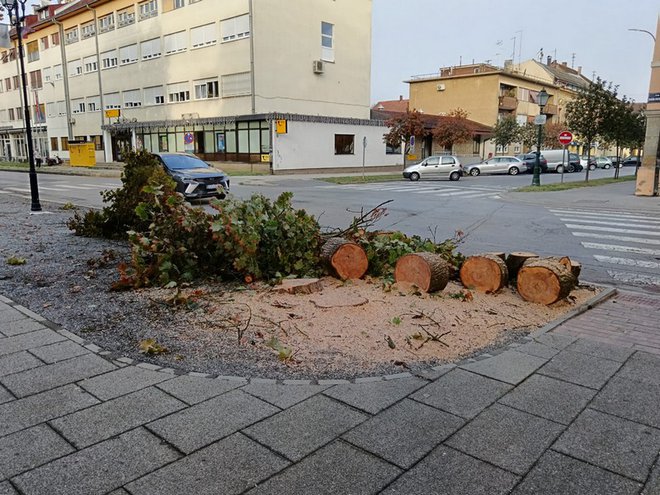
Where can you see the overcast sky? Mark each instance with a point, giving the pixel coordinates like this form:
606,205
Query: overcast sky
419,36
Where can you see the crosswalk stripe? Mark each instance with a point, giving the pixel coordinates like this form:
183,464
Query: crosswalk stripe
601,214
621,249
102,186
611,237
480,195
627,261
435,190
586,218
67,186
18,189
598,222
634,278
610,229
45,188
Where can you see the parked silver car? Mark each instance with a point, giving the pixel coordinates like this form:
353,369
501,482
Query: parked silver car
435,167
497,165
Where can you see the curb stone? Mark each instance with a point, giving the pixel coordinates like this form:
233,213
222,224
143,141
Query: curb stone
607,293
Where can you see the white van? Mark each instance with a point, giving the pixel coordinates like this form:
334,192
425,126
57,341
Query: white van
557,159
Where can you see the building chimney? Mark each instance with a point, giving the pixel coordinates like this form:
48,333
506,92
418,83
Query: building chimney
400,97
579,69
508,64
549,60
565,64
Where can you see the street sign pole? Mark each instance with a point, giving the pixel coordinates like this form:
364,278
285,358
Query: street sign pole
364,151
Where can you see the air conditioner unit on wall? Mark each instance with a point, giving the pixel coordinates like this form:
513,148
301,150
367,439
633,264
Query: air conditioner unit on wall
440,87
317,66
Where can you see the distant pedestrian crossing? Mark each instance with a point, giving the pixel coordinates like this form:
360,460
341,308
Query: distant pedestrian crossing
60,187
443,190
628,244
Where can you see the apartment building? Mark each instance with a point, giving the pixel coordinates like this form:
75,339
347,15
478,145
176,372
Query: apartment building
240,80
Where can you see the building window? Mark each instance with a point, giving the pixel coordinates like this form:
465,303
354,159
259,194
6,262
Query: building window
88,30
175,42
392,150
2,87
8,83
11,114
327,42
169,5
476,145
51,110
44,43
235,28
71,36
203,35
91,64
54,144
150,49
33,51
98,142
206,88
47,74
344,144
93,104
61,108
236,85
17,83
132,98
126,17
148,9
65,143
57,72
109,59
35,79
178,92
154,95
55,39
128,54
111,101
39,113
78,105
75,68
106,23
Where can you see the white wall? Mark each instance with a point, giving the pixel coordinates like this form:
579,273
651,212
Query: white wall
311,145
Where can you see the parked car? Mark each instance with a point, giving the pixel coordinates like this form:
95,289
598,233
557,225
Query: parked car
195,178
559,161
497,165
631,161
529,159
616,160
599,162
435,167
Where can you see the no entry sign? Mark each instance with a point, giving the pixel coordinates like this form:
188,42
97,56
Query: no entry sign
565,138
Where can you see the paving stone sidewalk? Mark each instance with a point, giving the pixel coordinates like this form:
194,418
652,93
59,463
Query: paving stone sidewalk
560,413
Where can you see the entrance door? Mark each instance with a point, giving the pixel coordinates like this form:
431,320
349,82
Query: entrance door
427,146
199,142
121,143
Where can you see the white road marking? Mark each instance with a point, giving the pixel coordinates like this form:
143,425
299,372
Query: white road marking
45,188
634,278
456,193
67,186
435,190
621,249
601,214
639,240
627,261
610,229
629,223
18,189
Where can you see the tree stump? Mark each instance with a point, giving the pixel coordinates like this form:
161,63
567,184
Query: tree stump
427,271
344,258
545,281
515,260
499,254
573,266
484,272
576,269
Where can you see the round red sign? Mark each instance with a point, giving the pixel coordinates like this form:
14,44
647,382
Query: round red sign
565,137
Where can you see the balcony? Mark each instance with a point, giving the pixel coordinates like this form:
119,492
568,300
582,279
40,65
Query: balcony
508,103
550,109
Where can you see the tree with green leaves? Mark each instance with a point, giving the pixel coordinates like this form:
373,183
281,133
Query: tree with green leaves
453,129
528,135
551,132
402,128
587,115
506,131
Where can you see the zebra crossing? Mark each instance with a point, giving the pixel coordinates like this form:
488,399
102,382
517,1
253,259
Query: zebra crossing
439,190
59,187
627,244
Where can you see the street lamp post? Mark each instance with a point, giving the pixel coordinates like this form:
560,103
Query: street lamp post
16,6
543,97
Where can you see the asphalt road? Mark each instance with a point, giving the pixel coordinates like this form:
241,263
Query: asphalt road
613,234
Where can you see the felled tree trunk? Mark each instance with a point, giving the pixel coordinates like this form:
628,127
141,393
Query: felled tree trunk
345,259
427,271
515,260
484,272
545,281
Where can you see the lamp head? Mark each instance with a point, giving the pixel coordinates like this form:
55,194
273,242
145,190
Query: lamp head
9,5
543,97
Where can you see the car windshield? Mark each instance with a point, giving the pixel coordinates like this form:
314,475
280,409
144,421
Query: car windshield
182,162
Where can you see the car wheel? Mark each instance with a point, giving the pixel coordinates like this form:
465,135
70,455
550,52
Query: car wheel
474,172
592,167
513,171
414,176
607,165
454,176
560,169
570,169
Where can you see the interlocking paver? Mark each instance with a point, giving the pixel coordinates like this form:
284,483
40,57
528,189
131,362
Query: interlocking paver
450,472
652,486
549,398
84,428
122,381
10,315
462,393
5,395
100,468
538,349
303,428
642,367
6,489
208,421
20,326
375,396
54,375
334,469
229,466
637,401
580,369
599,349
59,352
22,413
405,432
30,448
558,474
192,389
613,443
29,340
17,362
556,341
506,437
283,396
510,366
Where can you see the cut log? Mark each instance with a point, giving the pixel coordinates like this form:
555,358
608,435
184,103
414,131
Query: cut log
544,281
576,269
499,254
427,271
345,259
515,260
484,273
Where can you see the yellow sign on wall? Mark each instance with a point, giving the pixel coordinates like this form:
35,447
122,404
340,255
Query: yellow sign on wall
280,126
112,113
265,158
82,155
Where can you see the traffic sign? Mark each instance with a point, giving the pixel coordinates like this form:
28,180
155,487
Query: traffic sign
188,138
540,119
565,138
